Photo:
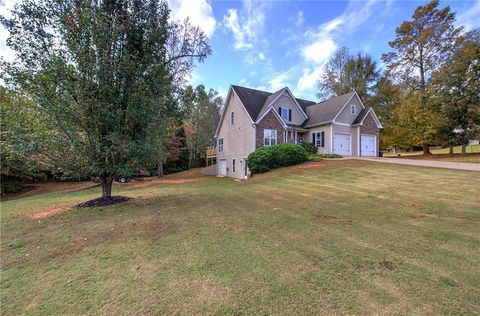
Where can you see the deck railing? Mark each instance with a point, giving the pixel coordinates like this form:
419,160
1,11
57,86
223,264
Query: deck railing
211,152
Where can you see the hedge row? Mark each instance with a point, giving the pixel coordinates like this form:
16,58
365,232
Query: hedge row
268,158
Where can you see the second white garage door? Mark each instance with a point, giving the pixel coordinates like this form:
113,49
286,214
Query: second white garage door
341,144
368,145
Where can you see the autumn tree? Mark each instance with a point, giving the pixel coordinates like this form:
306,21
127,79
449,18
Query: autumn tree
420,47
102,72
457,92
202,114
411,124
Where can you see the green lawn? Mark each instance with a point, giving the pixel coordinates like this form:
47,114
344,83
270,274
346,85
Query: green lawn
325,237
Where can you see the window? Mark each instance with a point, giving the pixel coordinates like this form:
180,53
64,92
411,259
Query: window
220,144
285,113
319,139
232,118
233,165
269,137
353,109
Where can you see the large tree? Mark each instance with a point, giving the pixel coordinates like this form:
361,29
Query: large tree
344,73
457,90
102,72
202,114
420,47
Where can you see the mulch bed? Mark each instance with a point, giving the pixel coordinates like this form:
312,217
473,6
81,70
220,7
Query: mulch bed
103,201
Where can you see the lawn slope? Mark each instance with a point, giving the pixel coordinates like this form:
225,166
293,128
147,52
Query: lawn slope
324,237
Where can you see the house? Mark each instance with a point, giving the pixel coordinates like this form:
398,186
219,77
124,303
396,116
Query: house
253,118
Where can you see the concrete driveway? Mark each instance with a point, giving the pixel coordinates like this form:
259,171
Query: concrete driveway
425,163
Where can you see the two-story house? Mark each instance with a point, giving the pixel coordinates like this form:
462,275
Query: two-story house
253,118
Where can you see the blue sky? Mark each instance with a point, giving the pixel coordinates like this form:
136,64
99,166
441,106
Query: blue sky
271,44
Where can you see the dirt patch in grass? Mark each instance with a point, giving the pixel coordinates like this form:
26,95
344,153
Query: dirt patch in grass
387,265
50,212
103,201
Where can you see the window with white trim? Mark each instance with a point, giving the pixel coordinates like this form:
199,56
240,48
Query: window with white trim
220,144
232,118
285,113
353,109
269,137
320,139
233,165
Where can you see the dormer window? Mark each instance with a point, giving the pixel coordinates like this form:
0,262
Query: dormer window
353,110
285,114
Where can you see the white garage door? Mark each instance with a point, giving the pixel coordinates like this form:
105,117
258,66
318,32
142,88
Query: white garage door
368,145
222,168
341,144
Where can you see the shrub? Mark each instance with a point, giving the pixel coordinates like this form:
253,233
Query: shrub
260,160
267,158
309,148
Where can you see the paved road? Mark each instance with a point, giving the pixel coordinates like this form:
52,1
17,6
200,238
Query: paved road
425,163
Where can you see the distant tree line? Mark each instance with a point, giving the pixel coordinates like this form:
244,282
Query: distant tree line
429,92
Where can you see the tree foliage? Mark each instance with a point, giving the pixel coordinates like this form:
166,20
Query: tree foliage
344,73
421,45
102,72
202,114
457,91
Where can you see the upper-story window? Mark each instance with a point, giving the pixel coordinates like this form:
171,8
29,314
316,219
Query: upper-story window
269,137
353,109
232,118
285,113
220,144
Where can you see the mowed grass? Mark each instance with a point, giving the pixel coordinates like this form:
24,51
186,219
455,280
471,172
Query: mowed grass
325,237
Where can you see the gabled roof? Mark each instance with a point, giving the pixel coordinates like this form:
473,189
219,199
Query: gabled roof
256,104
363,114
254,100
326,111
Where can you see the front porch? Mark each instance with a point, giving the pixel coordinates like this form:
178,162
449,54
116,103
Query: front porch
294,135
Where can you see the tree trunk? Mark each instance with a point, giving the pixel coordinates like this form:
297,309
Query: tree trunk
464,149
426,150
450,149
160,169
107,186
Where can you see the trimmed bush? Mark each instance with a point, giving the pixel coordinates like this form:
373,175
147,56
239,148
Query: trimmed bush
309,148
267,158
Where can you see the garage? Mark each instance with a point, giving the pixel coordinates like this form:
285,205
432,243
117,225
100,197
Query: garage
341,144
368,145
222,168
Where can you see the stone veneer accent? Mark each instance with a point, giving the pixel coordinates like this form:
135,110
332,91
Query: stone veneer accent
369,126
270,121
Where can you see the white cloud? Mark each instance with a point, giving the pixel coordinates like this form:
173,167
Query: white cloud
245,26
320,50
299,19
321,42
282,79
199,12
470,18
